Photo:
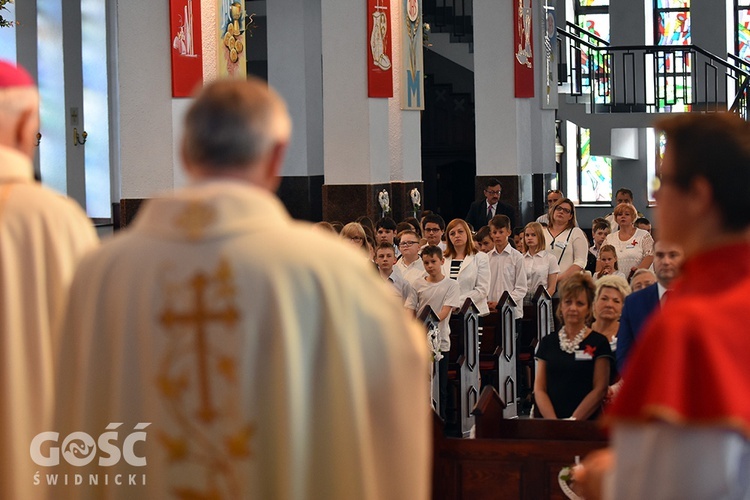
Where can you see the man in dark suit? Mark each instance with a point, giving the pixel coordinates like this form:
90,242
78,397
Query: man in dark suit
639,305
481,211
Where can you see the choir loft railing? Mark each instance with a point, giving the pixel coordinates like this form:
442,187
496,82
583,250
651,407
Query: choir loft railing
647,79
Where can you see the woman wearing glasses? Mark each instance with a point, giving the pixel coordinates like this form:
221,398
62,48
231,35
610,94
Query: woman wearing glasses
565,240
467,265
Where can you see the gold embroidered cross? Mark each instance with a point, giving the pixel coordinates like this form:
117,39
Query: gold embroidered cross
199,318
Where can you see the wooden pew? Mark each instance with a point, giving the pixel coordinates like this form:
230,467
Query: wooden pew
497,352
463,367
511,458
430,320
537,323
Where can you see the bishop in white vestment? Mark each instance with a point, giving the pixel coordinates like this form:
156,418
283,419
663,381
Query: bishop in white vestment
42,237
222,360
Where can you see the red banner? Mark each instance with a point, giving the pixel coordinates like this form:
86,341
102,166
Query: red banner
523,49
379,55
187,52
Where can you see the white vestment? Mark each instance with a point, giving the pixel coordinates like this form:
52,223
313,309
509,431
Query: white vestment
264,368
42,237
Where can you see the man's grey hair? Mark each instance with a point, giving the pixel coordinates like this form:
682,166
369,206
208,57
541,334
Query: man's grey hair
233,123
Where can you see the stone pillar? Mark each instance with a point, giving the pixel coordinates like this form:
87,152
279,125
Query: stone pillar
515,137
294,38
370,143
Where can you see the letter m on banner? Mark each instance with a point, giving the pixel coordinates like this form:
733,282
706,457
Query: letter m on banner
412,83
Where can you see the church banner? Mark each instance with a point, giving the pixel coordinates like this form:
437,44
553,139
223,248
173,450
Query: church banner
547,12
379,62
412,84
522,36
231,23
187,52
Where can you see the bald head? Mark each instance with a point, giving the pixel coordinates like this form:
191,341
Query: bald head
19,109
235,127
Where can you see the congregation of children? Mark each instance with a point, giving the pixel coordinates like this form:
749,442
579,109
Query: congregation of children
482,256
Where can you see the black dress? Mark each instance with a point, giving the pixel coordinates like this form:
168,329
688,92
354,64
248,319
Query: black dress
570,377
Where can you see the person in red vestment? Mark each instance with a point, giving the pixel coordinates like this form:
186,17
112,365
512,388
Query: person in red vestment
680,427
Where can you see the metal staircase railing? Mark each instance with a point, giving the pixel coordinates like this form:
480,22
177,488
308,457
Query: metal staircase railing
648,79
741,101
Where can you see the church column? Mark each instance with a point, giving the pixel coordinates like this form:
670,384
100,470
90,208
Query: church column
515,137
370,143
294,69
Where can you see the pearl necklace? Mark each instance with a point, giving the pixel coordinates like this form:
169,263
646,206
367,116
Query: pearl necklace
568,345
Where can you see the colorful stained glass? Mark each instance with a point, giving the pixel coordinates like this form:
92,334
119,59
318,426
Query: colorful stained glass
743,34
673,28
593,3
672,4
596,24
596,172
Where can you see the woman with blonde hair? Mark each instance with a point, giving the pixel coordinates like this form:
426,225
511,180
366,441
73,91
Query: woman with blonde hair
608,301
355,234
540,265
467,265
635,247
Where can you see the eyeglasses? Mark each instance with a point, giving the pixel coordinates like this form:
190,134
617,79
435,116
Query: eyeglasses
490,191
563,209
406,244
432,229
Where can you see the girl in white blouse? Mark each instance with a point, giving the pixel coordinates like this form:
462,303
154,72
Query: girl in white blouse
540,265
467,265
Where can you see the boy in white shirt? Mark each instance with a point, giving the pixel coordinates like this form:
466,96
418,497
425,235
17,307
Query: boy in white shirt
409,265
385,260
443,295
506,267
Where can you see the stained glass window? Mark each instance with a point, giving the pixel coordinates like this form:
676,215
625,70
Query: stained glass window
593,17
673,68
742,29
595,179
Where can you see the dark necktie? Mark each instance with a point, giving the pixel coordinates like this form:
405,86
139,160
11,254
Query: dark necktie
489,212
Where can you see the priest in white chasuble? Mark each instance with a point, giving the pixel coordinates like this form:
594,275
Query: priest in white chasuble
42,237
219,349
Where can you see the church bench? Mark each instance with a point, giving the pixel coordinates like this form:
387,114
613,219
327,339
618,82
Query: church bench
497,352
430,320
510,458
463,368
537,323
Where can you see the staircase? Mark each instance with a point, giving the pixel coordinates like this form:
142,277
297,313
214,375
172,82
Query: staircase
646,79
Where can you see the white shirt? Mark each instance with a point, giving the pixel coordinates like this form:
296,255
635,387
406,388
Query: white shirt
631,252
410,272
507,274
401,287
473,279
436,295
264,371
663,461
538,267
43,236
569,247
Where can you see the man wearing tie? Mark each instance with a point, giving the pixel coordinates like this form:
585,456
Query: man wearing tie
481,211
639,305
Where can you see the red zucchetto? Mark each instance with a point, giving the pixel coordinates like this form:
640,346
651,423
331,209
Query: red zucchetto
14,76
